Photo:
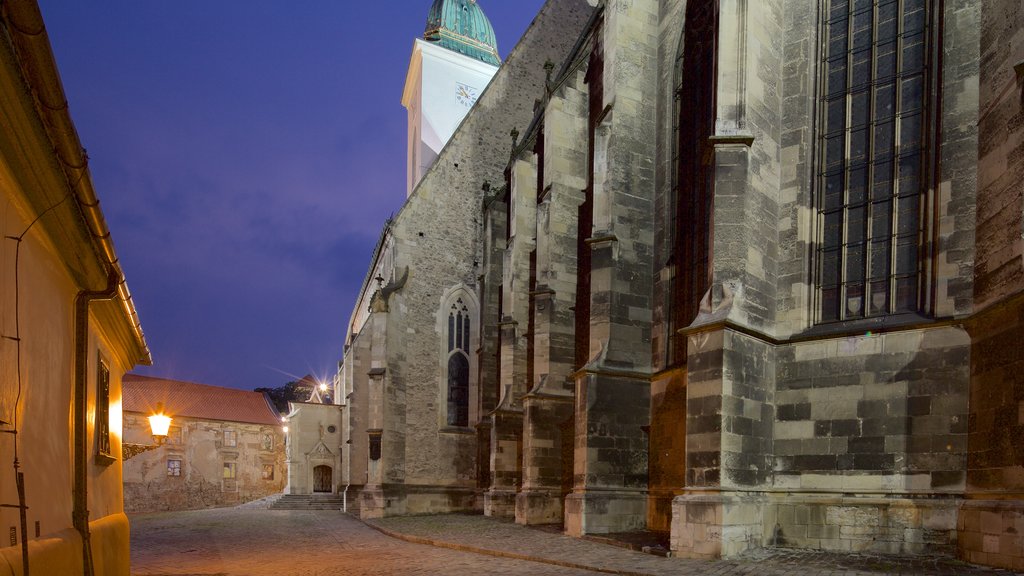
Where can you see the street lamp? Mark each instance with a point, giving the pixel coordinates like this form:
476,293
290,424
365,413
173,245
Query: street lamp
159,425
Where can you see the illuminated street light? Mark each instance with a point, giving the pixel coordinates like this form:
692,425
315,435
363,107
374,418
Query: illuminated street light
159,425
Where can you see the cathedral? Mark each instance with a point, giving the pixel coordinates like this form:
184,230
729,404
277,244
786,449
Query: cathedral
746,273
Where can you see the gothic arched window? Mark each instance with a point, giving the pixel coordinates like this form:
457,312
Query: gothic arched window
695,161
458,364
871,161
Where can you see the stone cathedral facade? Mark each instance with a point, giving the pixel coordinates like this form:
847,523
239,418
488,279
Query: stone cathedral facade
748,273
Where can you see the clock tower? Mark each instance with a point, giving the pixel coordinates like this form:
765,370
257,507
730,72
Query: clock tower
450,66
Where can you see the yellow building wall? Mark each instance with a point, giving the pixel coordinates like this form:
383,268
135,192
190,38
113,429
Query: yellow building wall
45,296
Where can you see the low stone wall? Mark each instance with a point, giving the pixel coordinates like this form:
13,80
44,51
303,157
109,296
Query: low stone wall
992,533
412,500
724,525
714,526
879,525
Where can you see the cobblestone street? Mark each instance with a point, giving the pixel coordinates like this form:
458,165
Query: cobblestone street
236,542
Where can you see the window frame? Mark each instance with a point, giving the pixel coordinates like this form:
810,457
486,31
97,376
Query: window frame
458,338
895,309
104,449
176,469
459,332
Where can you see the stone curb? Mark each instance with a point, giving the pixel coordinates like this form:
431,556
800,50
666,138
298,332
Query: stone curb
498,553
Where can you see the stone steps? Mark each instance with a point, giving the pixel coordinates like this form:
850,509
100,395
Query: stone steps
308,502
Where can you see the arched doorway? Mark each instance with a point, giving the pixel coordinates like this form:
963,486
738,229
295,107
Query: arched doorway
322,478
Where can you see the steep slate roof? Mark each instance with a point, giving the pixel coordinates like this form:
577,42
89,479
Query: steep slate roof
190,400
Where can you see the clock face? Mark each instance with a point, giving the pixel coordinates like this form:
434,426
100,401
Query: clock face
465,94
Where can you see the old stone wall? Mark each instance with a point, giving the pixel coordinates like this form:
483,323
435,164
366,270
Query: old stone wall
999,269
189,472
779,404
518,275
991,521
613,389
667,447
873,414
437,237
561,148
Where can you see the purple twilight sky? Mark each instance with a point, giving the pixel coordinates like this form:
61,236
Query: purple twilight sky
247,153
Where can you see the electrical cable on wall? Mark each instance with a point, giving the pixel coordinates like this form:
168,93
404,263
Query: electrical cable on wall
19,476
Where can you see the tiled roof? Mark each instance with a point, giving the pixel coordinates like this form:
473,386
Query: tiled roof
190,400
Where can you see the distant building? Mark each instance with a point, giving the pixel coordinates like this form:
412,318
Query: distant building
314,449
68,328
225,446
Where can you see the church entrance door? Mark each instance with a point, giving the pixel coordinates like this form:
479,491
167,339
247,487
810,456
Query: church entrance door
322,479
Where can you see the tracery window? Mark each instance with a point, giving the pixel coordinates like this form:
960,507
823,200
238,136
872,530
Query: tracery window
695,162
458,364
873,133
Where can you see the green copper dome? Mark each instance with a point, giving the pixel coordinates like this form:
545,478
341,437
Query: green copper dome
461,26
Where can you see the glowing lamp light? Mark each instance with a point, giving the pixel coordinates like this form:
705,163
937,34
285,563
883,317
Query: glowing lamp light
159,425
285,429
323,387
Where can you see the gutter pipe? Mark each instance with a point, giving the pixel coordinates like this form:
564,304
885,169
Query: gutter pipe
27,33
80,513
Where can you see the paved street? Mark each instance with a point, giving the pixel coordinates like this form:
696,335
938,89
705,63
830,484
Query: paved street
285,543
236,542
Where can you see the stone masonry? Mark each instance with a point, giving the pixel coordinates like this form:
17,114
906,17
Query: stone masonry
653,347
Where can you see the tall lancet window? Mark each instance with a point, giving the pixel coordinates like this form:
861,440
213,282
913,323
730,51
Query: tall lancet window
458,364
695,162
872,157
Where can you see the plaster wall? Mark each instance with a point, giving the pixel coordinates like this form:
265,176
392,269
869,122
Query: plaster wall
45,295
311,443
200,448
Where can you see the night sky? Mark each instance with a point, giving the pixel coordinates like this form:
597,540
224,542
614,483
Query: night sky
247,154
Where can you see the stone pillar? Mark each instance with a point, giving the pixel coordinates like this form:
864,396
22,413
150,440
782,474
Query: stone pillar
729,427
549,404
495,213
610,455
506,460
731,375
506,420
613,389
380,432
540,501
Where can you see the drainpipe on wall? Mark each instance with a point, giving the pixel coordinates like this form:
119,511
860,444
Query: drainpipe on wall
80,513
27,33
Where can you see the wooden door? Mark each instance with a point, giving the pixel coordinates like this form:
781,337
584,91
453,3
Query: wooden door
322,479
